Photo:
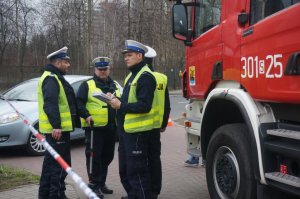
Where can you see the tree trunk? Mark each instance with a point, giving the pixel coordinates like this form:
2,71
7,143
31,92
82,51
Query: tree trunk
88,49
129,19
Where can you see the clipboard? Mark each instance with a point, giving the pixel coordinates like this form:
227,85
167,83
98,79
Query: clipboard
102,96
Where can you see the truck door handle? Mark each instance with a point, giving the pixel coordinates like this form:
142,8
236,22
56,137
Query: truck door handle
248,31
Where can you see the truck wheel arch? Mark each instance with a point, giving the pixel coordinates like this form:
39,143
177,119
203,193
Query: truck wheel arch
215,116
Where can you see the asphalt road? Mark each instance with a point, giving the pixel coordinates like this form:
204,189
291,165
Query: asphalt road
178,181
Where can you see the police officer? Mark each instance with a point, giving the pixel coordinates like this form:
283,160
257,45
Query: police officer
57,118
164,111
137,117
94,111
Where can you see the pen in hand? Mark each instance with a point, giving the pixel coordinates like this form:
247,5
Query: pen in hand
111,95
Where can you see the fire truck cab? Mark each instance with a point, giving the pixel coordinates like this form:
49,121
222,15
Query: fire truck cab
242,79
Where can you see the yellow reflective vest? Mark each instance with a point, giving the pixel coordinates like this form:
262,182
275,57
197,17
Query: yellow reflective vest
97,108
65,115
139,122
161,85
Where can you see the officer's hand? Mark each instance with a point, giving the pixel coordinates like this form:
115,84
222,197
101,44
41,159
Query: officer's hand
162,130
115,103
110,95
89,120
56,134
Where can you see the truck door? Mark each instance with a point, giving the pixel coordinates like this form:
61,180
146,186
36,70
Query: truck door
206,47
266,46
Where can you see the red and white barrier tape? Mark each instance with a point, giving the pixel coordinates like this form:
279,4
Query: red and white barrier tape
76,178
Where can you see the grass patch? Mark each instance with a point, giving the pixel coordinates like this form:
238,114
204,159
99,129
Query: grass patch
11,177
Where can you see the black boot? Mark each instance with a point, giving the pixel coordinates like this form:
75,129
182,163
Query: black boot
43,196
63,196
106,190
154,195
99,193
96,190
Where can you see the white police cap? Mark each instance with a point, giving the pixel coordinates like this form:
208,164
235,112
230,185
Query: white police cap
151,52
134,46
59,54
101,62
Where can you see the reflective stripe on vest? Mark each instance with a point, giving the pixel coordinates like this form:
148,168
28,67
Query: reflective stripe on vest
118,92
139,122
97,108
65,115
161,85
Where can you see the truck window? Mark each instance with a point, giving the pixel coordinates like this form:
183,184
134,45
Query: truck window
264,8
207,15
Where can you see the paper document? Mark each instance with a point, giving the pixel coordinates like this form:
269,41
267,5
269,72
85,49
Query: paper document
102,96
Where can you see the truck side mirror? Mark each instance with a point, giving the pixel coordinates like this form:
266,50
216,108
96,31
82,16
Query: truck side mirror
180,28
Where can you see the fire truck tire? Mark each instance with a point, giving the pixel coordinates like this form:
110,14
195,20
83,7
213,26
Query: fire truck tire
228,164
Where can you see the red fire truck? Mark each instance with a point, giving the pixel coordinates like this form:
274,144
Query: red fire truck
242,79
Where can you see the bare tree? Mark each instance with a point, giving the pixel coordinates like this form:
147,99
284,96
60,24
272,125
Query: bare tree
89,28
6,11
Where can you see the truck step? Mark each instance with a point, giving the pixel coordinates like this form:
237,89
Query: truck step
284,133
284,147
284,178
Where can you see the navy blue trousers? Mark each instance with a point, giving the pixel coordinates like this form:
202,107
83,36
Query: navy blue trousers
155,161
103,154
52,182
134,164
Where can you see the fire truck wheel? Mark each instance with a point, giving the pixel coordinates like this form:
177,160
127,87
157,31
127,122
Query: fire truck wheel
229,170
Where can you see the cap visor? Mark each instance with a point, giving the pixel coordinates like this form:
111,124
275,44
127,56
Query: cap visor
130,51
100,67
126,51
65,58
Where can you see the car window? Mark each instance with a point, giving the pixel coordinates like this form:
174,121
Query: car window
26,91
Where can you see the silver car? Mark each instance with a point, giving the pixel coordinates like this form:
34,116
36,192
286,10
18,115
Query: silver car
13,132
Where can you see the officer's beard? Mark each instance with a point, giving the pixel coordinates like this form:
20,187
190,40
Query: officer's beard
63,72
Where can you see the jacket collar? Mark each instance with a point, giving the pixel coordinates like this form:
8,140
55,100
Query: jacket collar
136,68
53,69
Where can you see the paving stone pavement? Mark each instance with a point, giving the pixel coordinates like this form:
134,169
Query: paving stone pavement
30,192
179,182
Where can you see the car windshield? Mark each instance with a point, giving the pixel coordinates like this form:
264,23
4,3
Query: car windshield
26,91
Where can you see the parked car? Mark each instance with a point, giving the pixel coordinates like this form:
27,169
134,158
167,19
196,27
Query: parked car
13,132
